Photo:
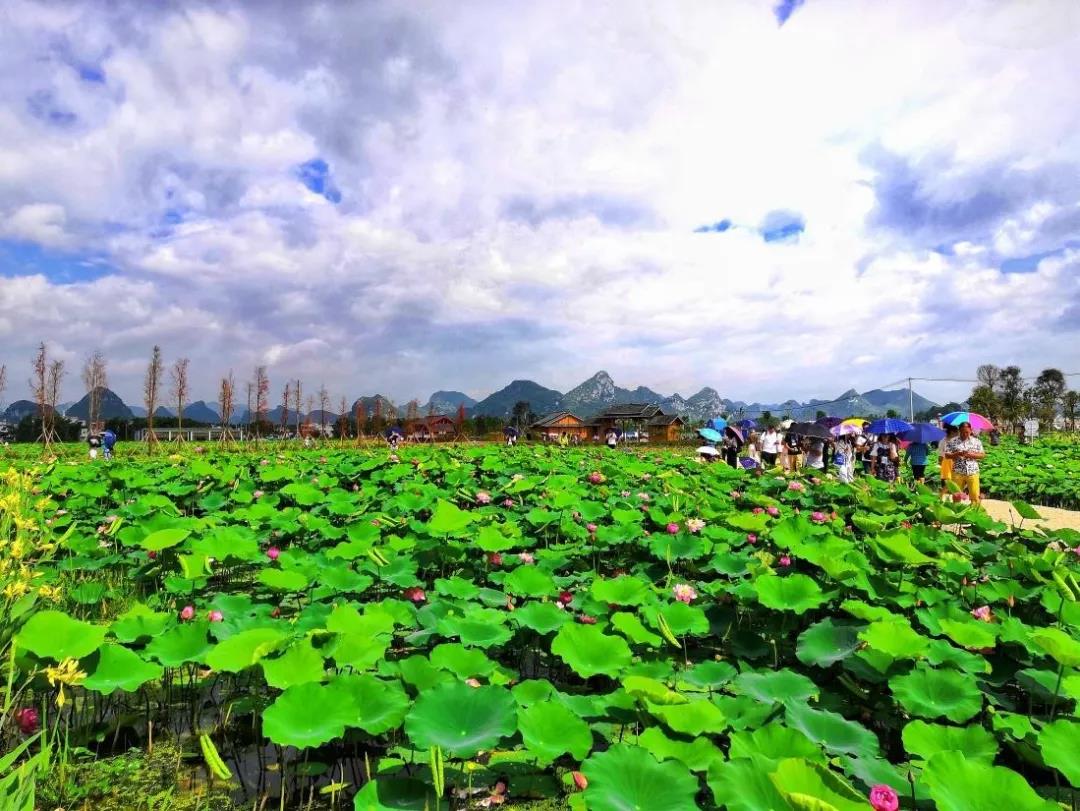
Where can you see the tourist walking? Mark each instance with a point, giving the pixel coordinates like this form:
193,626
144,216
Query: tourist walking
771,443
965,451
94,441
612,439
884,458
793,446
108,441
917,454
951,432
844,459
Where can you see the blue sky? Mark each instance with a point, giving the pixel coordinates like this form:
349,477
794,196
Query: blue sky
776,199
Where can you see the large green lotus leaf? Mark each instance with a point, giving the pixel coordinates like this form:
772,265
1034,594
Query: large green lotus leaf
386,794
446,519
463,662
304,494
935,693
959,784
654,690
1059,743
475,630
491,539
744,785
974,635
532,691
283,579
926,740
120,668
589,651
693,718
163,539
628,777
379,705
832,730
419,672
456,587
244,649
184,643
748,522
776,686
56,635
358,651
697,755
346,619
308,715
896,547
137,622
463,720
807,785
625,590
529,581
540,617
680,617
550,730
895,638
827,642
1061,646
795,592
299,664
707,675
775,742
633,629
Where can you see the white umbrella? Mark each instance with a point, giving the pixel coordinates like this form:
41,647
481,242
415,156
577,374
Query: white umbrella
708,450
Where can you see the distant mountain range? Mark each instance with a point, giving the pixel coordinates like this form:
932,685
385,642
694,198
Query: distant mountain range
585,400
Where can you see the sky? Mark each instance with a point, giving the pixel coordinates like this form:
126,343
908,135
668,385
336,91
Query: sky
775,199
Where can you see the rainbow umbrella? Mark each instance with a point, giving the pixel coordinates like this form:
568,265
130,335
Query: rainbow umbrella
845,429
978,421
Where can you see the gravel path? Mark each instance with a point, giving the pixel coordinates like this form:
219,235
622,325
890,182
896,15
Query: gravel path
1052,517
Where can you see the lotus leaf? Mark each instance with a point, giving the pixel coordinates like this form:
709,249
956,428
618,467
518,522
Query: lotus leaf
1059,743
933,693
796,592
698,755
55,635
628,777
550,730
959,784
463,720
589,651
244,649
926,740
308,715
118,668
299,664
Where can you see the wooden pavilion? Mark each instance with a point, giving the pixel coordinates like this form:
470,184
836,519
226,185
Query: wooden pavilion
561,423
638,419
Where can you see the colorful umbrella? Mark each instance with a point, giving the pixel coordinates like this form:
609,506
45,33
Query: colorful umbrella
717,424
923,432
845,429
888,425
977,421
735,432
855,421
747,423
710,434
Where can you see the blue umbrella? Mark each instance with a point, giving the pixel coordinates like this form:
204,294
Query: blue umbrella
923,432
747,463
710,434
717,424
747,423
888,425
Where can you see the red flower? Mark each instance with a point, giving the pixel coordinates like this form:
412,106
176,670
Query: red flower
27,720
566,598
416,594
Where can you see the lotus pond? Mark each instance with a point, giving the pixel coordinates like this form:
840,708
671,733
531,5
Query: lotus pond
474,627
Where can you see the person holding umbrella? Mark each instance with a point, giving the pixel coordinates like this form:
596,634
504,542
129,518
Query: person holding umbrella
884,459
793,446
919,437
965,451
730,446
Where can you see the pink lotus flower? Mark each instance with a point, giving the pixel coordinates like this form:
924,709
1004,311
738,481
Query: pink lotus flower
494,559
257,494
596,477
187,613
276,612
264,462
27,720
798,487
773,511
624,493
751,537
695,525
565,597
591,527
394,457
216,616
526,557
416,594
585,619
643,496
883,798
508,502
785,560
152,555
757,510
905,524
483,497
684,593
735,494
673,528
818,517
580,780
982,613
273,553
472,682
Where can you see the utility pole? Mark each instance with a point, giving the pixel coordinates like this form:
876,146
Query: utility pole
911,401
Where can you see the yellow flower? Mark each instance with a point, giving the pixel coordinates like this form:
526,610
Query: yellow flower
16,589
50,593
65,673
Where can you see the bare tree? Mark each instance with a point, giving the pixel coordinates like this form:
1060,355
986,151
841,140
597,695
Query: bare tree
360,414
343,419
151,389
250,405
3,381
95,380
180,392
989,375
285,408
324,407
307,415
225,400
262,397
41,384
297,394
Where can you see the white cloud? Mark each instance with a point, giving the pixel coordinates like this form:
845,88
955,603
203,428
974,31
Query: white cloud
520,185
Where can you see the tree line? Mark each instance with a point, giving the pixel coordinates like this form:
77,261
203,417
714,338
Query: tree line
1008,398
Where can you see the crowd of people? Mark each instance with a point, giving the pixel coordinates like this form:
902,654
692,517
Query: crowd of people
857,452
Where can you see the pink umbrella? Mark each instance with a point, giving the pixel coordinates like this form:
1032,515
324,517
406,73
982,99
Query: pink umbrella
845,429
978,421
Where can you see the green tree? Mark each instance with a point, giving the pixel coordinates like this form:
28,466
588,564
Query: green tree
1013,404
1046,396
892,413
1070,404
984,400
522,415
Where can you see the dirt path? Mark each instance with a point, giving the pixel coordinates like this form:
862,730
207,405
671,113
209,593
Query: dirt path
1052,517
